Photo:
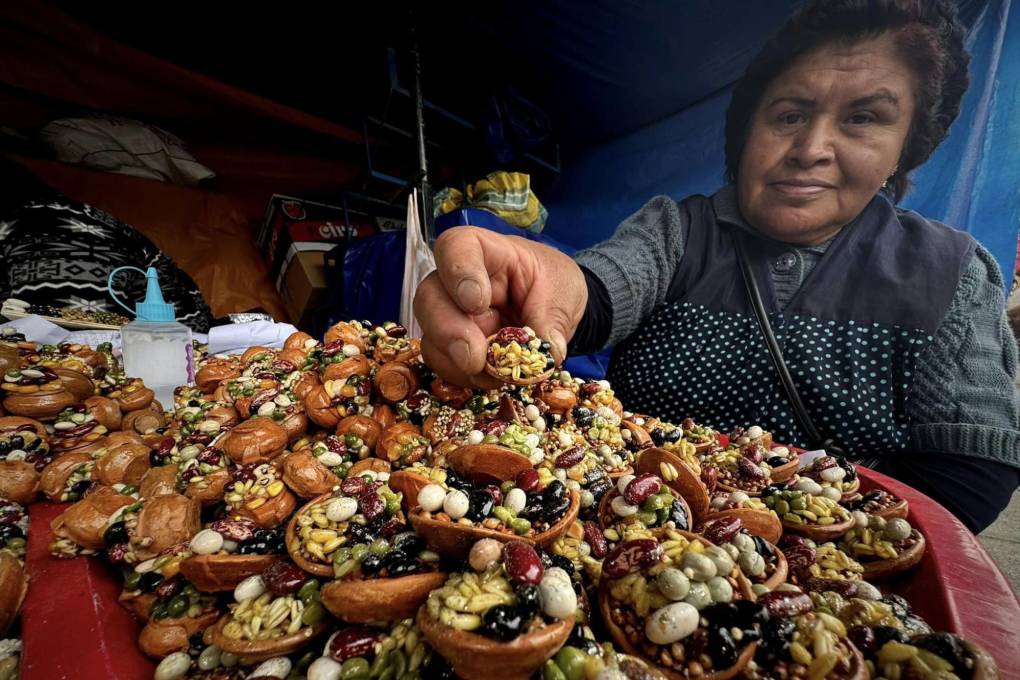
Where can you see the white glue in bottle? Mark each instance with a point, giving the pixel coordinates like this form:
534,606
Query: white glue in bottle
156,347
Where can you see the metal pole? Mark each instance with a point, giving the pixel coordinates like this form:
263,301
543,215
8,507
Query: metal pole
425,198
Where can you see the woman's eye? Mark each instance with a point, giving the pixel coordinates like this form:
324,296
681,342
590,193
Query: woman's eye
791,118
862,118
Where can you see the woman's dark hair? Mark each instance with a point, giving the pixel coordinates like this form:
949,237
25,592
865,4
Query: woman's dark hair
928,36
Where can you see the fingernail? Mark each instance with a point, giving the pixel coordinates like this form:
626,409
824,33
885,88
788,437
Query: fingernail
469,295
558,341
460,352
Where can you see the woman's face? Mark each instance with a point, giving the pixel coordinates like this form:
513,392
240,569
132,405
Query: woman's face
826,135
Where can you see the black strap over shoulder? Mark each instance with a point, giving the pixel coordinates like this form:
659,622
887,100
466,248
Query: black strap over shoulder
816,439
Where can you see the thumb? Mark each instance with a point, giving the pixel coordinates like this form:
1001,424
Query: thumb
553,325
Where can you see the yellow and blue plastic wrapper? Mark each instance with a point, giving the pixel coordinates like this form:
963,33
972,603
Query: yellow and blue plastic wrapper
505,194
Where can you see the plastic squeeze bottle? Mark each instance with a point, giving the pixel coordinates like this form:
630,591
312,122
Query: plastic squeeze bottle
156,347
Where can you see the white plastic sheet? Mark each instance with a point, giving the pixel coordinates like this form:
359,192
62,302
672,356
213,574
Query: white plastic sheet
418,263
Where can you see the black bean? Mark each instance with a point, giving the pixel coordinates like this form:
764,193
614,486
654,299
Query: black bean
371,564
115,533
150,581
479,505
503,622
583,416
722,647
678,515
528,598
17,442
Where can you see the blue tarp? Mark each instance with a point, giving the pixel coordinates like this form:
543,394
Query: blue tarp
972,182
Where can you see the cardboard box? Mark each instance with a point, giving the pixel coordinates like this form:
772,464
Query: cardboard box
302,282
290,221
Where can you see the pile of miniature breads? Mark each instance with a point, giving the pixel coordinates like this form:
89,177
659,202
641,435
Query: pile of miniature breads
334,510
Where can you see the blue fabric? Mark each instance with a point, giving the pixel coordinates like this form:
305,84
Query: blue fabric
972,182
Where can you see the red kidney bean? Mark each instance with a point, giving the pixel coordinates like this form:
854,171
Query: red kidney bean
589,390
596,539
284,365
791,541
353,642
335,444
116,554
631,556
841,587
570,457
799,558
511,334
786,603
234,529
396,331
333,348
710,477
863,638
749,471
165,445
754,453
209,457
82,429
522,563
415,401
283,578
392,528
641,487
263,397
494,428
168,588
496,493
527,480
723,530
353,486
371,505
687,424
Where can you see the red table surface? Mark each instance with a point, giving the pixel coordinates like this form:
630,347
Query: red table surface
73,627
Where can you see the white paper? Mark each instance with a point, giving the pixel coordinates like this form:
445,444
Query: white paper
419,262
809,457
38,329
237,337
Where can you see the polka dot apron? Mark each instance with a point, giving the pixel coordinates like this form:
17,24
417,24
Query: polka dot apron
851,335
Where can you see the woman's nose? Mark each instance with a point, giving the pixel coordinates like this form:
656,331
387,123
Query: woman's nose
813,144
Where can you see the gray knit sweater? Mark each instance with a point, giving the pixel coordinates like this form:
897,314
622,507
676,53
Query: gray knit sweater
962,401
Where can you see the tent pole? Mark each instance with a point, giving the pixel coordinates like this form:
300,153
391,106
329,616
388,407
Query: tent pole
422,183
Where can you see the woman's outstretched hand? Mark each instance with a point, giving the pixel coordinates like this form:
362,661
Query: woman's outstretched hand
484,281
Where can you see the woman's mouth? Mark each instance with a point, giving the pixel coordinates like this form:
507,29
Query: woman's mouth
800,188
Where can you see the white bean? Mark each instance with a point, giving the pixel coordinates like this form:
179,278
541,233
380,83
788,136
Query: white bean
267,409
209,658
206,542
515,500
475,437
531,412
249,588
673,583
431,497
341,509
557,594
324,668
754,432
622,508
456,504
484,553
671,623
351,350
277,667
330,459
622,482
172,667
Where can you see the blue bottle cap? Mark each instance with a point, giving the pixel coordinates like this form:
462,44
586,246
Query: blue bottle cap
154,308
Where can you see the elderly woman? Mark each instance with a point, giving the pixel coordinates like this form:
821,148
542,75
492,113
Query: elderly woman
892,326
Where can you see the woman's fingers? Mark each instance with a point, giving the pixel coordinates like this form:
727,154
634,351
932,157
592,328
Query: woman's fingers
461,266
455,340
